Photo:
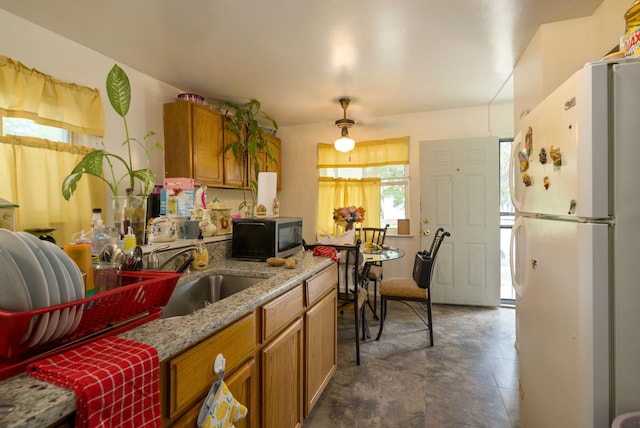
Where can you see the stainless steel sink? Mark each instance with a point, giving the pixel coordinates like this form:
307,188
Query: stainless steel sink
194,295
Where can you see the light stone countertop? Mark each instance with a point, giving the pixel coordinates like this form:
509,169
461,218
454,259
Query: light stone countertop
39,403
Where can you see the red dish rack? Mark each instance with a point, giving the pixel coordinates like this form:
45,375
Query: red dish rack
139,299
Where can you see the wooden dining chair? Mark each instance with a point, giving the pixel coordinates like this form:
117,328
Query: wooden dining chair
352,292
375,235
414,289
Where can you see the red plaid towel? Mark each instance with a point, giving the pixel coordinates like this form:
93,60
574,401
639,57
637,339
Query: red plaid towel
325,251
116,381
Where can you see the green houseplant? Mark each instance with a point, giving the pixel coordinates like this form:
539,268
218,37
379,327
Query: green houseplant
127,209
252,141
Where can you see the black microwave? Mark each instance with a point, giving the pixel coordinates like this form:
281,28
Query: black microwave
261,238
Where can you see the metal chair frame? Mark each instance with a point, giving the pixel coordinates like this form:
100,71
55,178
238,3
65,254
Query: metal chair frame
422,274
375,235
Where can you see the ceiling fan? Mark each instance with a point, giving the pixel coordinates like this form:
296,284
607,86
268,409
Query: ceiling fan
344,143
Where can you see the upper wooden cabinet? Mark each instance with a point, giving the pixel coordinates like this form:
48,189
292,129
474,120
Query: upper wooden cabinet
234,171
194,140
194,143
273,166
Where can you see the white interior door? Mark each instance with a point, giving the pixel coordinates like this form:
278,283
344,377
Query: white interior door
459,191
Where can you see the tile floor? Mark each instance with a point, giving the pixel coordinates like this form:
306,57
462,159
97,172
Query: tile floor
468,379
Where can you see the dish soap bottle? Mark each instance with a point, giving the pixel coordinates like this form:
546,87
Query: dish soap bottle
632,30
200,255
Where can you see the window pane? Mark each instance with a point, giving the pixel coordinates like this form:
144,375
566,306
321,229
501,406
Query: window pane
393,204
29,128
393,188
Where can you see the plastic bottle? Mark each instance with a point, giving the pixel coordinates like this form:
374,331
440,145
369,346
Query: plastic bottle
130,240
96,217
200,255
98,237
81,255
632,30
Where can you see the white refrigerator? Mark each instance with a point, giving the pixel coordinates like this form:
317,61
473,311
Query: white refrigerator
575,250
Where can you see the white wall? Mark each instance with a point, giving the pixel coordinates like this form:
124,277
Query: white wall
559,49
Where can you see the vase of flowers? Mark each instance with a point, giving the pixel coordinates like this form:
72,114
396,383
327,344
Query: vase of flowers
346,217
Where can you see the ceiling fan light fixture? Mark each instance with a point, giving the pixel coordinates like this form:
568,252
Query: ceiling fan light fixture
344,143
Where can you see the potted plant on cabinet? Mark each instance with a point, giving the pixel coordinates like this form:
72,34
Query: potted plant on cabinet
129,210
252,141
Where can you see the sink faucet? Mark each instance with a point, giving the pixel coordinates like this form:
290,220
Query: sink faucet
187,262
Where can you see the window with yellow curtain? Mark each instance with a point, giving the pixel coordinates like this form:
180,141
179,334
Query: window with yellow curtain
344,192
32,169
375,175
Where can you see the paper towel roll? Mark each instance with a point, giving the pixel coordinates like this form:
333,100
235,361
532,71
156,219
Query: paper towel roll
267,183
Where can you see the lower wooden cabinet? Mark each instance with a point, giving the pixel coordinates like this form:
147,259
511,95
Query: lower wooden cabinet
280,360
189,376
282,379
321,348
242,384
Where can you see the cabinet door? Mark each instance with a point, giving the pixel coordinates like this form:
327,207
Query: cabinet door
321,348
273,166
282,379
234,170
264,166
190,374
178,148
207,146
243,385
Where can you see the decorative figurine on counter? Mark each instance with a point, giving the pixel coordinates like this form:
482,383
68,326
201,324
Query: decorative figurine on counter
208,228
201,197
276,207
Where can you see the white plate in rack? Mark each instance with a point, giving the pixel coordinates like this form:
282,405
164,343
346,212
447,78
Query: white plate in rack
52,285
76,280
65,287
14,294
33,277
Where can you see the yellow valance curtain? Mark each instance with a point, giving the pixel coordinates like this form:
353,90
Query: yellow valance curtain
31,173
391,151
29,94
343,192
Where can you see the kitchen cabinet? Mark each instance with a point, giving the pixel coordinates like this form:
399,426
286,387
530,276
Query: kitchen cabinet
282,361
274,166
320,335
194,142
190,375
235,173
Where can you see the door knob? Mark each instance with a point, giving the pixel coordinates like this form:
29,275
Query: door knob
425,221
426,232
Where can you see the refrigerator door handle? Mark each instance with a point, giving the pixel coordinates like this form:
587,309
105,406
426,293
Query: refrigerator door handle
514,168
512,263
